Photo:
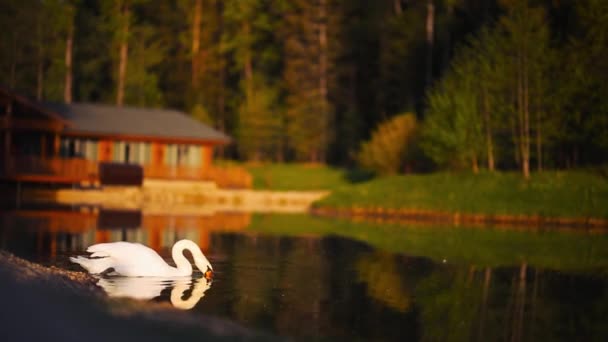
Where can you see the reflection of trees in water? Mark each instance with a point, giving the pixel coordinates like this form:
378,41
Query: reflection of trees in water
253,285
379,271
511,304
304,282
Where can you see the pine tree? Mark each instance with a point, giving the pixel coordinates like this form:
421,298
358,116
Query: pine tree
249,37
309,113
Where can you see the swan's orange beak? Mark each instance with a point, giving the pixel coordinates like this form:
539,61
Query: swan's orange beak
209,274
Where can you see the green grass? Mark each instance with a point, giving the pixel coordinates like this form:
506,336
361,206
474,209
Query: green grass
551,194
298,177
572,194
558,250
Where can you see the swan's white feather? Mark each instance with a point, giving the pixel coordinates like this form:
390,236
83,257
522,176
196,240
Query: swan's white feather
136,260
128,259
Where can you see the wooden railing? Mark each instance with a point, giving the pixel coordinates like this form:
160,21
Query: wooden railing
230,177
52,169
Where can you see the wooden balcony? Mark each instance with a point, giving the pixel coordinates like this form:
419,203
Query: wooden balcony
79,171
49,170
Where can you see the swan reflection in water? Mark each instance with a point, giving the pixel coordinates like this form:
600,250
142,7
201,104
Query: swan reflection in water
145,288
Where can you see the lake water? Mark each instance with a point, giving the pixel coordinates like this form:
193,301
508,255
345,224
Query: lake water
309,278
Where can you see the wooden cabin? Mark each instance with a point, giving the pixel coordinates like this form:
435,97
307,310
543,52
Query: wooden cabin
66,143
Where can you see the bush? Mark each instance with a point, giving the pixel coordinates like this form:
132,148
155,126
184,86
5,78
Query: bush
389,146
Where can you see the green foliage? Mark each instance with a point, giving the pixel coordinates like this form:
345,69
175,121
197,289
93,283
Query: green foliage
494,103
259,116
512,81
309,113
582,104
201,114
145,53
32,45
260,125
387,150
452,132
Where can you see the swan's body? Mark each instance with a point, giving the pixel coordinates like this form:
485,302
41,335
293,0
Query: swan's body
136,260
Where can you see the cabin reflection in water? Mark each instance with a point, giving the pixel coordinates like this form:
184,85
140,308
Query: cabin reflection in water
64,231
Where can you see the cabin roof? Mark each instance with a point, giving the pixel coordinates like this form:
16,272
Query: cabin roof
87,119
8,96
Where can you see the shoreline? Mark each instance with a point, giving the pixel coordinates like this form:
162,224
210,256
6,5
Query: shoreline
66,304
391,215
165,196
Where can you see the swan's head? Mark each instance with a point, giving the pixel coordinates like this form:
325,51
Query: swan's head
204,265
200,260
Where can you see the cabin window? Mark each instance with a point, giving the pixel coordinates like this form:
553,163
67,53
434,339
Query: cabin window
118,154
90,150
195,156
171,155
145,153
182,155
127,154
64,149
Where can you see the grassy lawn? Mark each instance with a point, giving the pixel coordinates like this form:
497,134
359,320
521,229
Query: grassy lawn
297,177
576,194
552,193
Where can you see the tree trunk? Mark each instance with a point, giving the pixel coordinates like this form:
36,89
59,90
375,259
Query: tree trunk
475,164
523,112
196,42
488,126
124,49
323,72
515,136
221,101
40,75
248,65
430,28
67,90
398,7
526,136
13,73
448,37
40,64
539,142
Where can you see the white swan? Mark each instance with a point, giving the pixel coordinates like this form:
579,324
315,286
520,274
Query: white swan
136,260
145,288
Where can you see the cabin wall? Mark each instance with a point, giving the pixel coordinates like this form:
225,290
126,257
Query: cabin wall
152,154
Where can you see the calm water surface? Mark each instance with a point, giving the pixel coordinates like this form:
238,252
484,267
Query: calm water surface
308,278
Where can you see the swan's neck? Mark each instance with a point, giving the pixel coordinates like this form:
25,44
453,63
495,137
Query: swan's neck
183,265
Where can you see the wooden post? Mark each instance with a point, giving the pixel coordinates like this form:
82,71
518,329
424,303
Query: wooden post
7,135
43,146
56,145
105,150
206,157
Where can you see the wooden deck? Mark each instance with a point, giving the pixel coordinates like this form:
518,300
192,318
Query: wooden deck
85,172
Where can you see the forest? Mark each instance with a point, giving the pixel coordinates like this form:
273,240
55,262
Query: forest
389,85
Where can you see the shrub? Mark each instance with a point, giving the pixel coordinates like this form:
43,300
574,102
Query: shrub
389,146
